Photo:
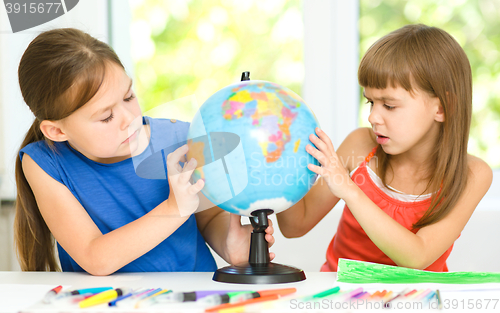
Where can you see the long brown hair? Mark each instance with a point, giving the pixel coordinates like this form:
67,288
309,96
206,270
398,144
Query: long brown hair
436,64
60,71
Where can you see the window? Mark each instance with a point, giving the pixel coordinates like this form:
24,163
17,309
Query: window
183,48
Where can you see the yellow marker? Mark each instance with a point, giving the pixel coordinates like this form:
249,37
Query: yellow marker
412,296
103,297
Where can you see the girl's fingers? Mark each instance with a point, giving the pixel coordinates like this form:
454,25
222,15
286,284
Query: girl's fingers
270,228
270,240
188,170
316,169
318,155
324,137
178,167
271,256
197,187
174,158
320,145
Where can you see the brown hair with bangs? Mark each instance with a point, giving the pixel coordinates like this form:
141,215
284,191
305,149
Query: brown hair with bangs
433,61
60,71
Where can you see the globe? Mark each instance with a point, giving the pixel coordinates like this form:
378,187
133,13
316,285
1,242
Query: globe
249,141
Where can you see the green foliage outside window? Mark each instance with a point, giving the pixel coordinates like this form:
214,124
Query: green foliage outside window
183,48
475,25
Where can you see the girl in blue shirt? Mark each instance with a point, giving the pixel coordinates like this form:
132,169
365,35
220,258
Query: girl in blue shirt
92,172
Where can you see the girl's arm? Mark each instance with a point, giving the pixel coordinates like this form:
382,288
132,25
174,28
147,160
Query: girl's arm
401,245
102,254
299,219
225,234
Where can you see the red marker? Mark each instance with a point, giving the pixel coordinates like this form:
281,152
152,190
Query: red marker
51,294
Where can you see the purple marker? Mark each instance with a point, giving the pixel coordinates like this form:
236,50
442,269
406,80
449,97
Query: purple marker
359,295
189,296
352,293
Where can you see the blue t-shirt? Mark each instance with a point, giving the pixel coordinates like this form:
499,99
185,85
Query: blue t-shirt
116,194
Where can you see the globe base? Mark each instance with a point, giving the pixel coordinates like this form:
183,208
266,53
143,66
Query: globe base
269,273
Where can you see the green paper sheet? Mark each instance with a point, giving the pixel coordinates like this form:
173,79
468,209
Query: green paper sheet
351,271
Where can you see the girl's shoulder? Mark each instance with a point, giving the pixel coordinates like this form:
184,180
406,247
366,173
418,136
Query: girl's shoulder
356,146
479,170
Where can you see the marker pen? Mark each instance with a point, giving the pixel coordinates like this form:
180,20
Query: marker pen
225,306
263,293
134,298
103,297
229,297
128,295
84,291
52,294
189,296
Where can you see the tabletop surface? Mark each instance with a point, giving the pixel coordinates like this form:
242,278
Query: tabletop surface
23,291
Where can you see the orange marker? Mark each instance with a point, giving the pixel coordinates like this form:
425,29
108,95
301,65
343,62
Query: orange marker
263,293
375,294
242,303
387,296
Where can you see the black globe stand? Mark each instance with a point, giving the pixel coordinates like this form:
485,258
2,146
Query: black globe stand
259,269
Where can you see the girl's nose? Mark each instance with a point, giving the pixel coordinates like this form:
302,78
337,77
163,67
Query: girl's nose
374,118
128,117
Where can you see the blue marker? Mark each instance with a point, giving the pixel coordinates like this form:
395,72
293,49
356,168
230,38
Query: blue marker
429,296
136,296
82,292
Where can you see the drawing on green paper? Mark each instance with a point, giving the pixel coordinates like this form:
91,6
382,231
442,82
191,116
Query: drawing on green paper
351,271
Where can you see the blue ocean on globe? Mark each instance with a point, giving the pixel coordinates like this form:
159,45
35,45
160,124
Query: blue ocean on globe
249,140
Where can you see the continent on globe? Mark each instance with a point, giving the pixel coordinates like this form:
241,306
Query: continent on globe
270,111
249,141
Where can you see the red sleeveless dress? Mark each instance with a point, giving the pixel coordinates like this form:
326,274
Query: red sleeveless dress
351,242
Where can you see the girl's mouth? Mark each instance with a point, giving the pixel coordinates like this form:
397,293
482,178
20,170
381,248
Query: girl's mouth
382,140
132,137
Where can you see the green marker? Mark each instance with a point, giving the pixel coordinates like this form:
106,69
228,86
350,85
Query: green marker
323,294
218,299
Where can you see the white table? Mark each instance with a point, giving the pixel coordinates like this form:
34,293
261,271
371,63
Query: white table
22,292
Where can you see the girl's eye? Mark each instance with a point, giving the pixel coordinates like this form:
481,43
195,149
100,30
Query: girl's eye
108,119
388,107
132,96
370,103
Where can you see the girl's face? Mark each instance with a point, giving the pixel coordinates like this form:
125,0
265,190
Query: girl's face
107,128
403,121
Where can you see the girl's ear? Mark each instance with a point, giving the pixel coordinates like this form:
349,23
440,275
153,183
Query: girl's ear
439,117
53,131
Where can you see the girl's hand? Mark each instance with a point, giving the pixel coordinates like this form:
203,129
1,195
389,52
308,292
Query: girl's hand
332,170
183,194
238,240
